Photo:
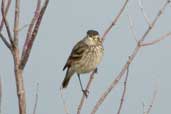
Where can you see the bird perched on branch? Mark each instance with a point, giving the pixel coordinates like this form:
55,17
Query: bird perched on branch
84,58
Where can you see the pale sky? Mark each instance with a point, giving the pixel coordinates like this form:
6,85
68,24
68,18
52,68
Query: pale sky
64,24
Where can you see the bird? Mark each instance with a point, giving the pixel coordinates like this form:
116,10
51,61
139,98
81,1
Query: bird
85,56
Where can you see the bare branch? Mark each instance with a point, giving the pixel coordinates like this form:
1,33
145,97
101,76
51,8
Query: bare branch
5,41
152,101
16,21
36,15
144,14
157,40
123,70
103,37
155,20
20,29
1,26
114,21
13,45
6,11
6,23
124,91
132,29
30,29
36,99
19,82
28,44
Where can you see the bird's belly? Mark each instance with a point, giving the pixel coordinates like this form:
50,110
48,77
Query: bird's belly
89,62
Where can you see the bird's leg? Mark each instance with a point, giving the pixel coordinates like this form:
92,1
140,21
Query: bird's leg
85,92
96,70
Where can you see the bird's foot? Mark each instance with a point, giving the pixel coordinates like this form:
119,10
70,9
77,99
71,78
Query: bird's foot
85,92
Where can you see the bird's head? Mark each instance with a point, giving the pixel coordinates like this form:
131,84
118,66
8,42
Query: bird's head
93,37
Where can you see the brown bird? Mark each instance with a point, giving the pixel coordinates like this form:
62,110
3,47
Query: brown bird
84,58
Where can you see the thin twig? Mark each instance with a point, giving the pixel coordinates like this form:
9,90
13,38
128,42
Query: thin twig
124,92
155,20
131,27
20,29
6,23
103,38
30,29
157,40
144,14
114,21
1,26
16,22
36,99
5,41
6,11
152,101
35,17
123,70
28,45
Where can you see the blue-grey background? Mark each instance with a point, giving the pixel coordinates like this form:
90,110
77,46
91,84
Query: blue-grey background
66,22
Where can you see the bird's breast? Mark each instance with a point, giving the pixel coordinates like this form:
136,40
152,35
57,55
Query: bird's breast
90,59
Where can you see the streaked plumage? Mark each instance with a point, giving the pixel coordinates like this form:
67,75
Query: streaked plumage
85,56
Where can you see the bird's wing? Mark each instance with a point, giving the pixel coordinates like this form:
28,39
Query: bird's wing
76,54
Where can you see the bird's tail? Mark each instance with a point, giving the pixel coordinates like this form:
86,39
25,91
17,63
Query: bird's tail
68,76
